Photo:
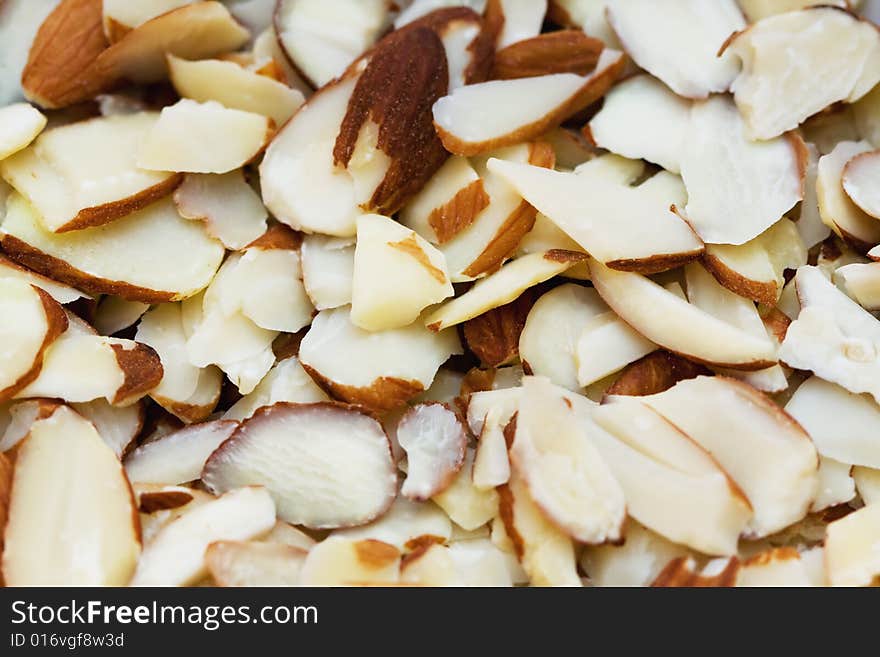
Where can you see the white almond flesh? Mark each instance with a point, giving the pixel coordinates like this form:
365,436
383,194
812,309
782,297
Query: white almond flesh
693,68
445,388
231,210
63,294
589,15
235,87
642,119
118,426
606,345
471,563
418,8
123,15
328,270
86,173
322,39
809,224
860,176
18,418
671,322
286,534
301,185
812,58
564,472
769,456
867,483
549,340
203,138
852,548
502,402
405,523
249,563
72,520
176,555
737,188
152,255
755,10
115,314
20,124
836,485
522,20
19,22
624,226
287,381
485,116
776,567
833,336
179,457
338,561
837,210
387,251
161,505
844,426
491,460
468,506
434,441
866,117
381,369
671,484
325,465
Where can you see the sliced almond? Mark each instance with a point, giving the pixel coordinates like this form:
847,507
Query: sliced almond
465,563
851,555
865,117
434,441
118,426
339,561
115,314
405,525
867,483
565,51
783,566
468,506
63,294
121,16
72,519
494,336
837,210
859,176
248,563
21,124
328,270
588,15
684,572
809,223
836,485
20,21
656,372
755,10
287,381
491,459
419,8
519,19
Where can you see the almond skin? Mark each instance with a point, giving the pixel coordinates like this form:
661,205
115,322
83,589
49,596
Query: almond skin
494,335
459,212
656,372
566,51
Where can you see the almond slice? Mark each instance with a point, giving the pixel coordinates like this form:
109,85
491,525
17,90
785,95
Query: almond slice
606,345
829,55
136,258
328,270
581,203
809,223
72,519
776,567
70,191
178,457
494,336
468,120
287,381
20,21
470,563
654,373
379,370
468,506
122,16
565,51
491,460
434,441
248,563
588,15
755,10
20,417
851,556
418,8
859,176
231,210
519,19
836,485
176,554
341,562
21,124
115,314
406,524
63,294
865,117
868,484
862,283
118,426
684,572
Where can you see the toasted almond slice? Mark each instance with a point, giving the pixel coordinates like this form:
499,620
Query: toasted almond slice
565,474
19,22
122,16
606,345
654,373
176,555
388,251
829,56
286,534
379,370
718,151
406,524
837,210
684,572
188,135
502,287
836,485
565,51
328,270
766,452
137,258
118,426
581,203
842,425
34,322
114,314
867,483
694,69
642,119
235,87
232,211
469,507
70,191
19,126
287,381
63,294
248,563
338,561
434,441
529,107
832,336
859,179
851,554
178,457
355,483
682,328
72,519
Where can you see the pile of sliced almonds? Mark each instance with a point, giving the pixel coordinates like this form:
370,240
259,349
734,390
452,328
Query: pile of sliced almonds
437,293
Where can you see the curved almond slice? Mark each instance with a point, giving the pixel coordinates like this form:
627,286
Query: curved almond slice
122,16
836,485
736,188
607,344
468,506
328,270
781,566
491,459
862,283
235,87
322,39
837,210
325,465
20,21
232,211
287,381
833,336
654,373
405,524
338,561
860,177
768,454
85,174
671,484
868,484
564,51
642,119
684,572
628,227
138,258
63,294
829,56
188,137
519,19
387,251
465,563
248,563
114,314
176,555
19,126
434,441
502,287
72,519
178,457
694,69
118,426
851,557
673,323
486,116
34,321
381,370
